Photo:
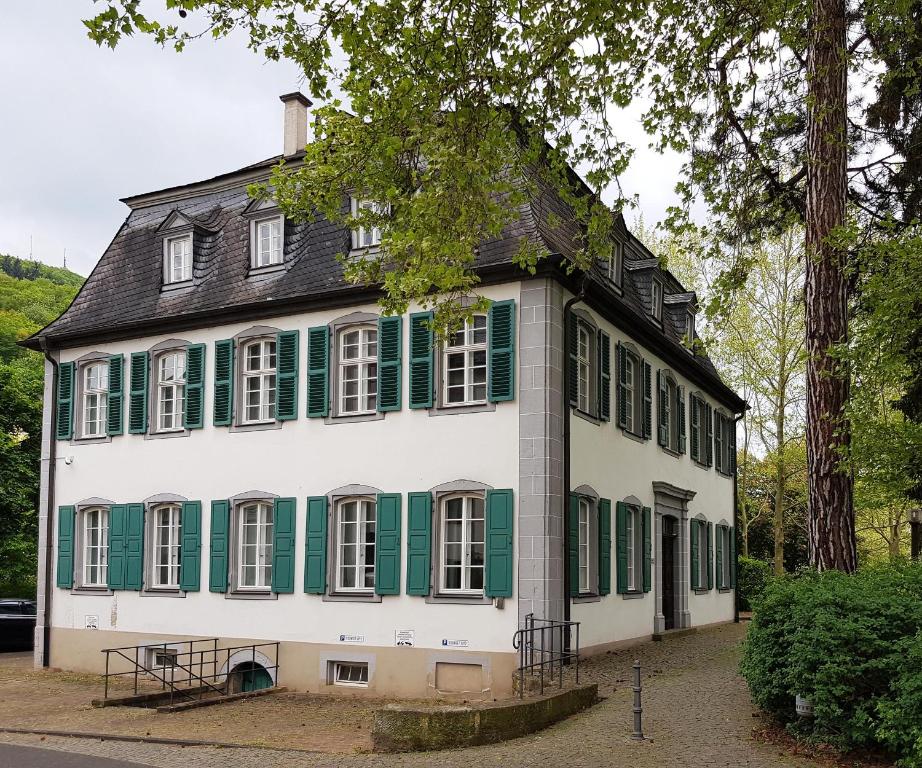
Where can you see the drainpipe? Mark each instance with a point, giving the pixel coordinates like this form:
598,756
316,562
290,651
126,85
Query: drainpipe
736,514
49,517
566,448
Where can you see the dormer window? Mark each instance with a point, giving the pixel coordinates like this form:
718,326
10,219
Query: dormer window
364,236
267,242
177,259
656,299
613,268
690,329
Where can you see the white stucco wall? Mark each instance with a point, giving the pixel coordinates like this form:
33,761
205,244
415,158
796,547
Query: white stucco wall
407,451
617,466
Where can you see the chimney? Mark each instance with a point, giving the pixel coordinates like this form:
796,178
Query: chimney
296,105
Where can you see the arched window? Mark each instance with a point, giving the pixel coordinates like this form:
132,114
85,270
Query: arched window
254,549
462,544
171,390
95,398
464,361
95,536
166,549
355,542
259,368
358,370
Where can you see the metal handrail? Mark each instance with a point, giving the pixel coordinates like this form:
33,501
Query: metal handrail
532,640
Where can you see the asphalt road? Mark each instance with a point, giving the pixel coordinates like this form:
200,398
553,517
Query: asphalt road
12,756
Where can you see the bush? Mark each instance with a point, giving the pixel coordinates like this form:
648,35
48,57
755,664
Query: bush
752,576
843,642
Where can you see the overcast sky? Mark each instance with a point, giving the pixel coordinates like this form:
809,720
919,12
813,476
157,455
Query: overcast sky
82,127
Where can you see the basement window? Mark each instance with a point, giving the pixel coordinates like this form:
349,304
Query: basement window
352,673
161,658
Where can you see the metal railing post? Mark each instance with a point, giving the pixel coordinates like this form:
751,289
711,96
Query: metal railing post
638,708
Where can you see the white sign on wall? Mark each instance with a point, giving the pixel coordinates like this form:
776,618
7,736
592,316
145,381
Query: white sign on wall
455,643
352,638
405,637
91,622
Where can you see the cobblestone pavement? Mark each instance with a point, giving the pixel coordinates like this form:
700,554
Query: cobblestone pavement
697,714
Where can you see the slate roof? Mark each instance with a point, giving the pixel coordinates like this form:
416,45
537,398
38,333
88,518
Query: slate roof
123,295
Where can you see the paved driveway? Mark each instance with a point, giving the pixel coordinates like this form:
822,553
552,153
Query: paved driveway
12,756
697,714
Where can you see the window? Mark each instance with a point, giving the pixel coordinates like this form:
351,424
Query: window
671,413
630,388
161,658
462,550
254,546
95,399
726,563
690,333
171,390
365,236
166,547
352,673
358,370
95,547
701,531
613,267
465,364
268,242
355,539
583,367
723,443
585,534
631,530
178,259
656,299
259,381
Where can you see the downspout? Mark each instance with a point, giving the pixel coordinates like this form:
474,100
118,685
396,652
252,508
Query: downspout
566,446
736,514
49,517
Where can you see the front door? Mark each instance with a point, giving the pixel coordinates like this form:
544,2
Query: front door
670,544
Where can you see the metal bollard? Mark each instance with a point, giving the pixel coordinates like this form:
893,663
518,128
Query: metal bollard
638,709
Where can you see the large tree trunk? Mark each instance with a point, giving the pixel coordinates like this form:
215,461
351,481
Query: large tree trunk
831,520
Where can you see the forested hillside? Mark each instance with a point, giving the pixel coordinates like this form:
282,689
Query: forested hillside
31,296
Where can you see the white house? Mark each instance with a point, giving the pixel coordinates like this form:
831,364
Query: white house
239,446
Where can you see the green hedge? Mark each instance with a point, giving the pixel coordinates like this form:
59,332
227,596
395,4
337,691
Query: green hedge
752,577
846,644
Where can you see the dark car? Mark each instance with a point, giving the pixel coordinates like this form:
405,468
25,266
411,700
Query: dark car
17,624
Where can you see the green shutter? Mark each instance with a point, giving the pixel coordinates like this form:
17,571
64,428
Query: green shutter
390,363
734,563
719,557
190,563
419,542
647,523
662,389
421,360
709,433
710,535
65,578
64,412
118,523
137,395
621,546
604,546
680,416
573,545
604,376
501,351
500,512
115,419
622,386
318,372
220,542
387,544
223,386
284,522
647,401
194,413
286,397
134,546
315,546
572,361
693,547
695,428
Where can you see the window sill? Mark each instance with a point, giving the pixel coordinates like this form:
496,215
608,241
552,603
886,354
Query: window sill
345,597
701,591
634,595
587,598
671,452
585,416
698,464
162,592
99,591
725,590
258,427
724,474
368,250
254,595
271,269
633,436
353,418
459,599
452,410
173,287
91,440
167,435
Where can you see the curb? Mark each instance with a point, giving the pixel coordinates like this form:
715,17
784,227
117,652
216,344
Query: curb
153,740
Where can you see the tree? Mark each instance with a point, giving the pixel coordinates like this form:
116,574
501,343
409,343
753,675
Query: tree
460,111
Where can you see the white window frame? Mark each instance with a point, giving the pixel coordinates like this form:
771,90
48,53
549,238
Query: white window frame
262,546
99,563
631,521
656,299
266,377
725,564
631,390
471,349
363,524
702,554
613,267
166,551
583,367
343,673
172,276
584,545
99,394
274,255
364,238
468,542
176,387
366,365
690,332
